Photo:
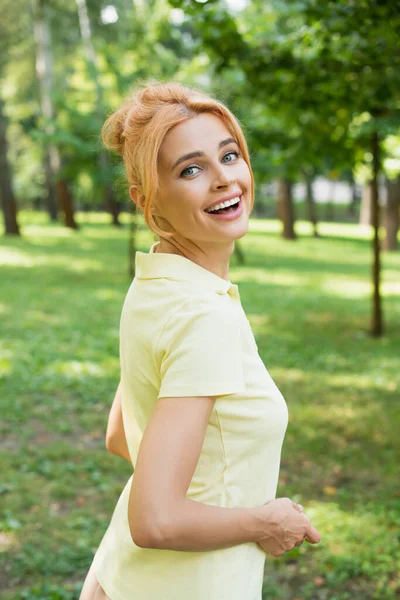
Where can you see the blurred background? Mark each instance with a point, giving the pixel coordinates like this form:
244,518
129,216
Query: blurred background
316,87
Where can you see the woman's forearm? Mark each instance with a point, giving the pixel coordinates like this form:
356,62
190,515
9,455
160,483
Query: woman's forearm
115,434
118,450
200,527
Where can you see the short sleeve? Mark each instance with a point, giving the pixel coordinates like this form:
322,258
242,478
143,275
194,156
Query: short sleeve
201,352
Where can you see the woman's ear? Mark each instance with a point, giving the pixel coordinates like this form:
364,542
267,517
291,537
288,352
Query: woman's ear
139,200
136,197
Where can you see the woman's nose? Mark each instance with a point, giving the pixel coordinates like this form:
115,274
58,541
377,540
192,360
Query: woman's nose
222,178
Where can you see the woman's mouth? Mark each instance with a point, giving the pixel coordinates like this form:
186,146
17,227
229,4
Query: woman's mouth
229,213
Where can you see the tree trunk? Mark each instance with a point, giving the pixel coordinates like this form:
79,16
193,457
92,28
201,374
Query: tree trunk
104,163
45,73
366,205
286,208
310,203
354,198
377,325
66,203
7,197
392,216
51,198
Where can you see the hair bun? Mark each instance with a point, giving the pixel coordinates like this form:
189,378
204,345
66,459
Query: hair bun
112,132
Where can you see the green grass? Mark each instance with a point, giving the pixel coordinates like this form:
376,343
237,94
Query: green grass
309,305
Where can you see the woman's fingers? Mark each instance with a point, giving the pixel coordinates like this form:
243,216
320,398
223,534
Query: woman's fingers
312,535
297,507
292,527
299,543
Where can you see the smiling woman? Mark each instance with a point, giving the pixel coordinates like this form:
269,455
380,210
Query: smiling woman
196,411
212,175
152,128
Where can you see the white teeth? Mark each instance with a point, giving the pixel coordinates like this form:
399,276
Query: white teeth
224,204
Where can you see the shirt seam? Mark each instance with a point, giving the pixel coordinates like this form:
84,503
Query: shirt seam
223,451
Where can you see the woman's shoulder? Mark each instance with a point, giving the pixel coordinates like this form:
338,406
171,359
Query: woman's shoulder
171,305
175,292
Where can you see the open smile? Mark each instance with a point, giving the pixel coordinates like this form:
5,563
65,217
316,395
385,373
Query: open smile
230,212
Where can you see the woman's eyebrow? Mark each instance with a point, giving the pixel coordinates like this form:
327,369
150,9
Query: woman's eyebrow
197,154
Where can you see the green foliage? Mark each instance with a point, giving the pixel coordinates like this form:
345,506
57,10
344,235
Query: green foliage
136,47
311,68
308,305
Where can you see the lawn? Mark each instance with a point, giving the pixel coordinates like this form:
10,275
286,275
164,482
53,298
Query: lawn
309,303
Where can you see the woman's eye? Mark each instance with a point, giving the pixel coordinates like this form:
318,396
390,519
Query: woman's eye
185,171
188,171
236,154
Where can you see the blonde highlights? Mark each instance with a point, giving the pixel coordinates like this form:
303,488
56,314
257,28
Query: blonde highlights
137,129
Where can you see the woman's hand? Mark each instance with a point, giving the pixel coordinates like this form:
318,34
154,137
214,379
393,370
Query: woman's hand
286,527
115,435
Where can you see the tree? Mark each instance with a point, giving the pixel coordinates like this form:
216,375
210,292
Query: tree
392,216
286,208
110,200
9,33
310,203
7,198
57,186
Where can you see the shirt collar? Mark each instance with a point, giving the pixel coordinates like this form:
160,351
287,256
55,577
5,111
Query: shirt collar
153,265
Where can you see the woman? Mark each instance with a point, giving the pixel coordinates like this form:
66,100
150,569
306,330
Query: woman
204,422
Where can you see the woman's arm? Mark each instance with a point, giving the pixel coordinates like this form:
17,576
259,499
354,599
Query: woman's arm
115,435
161,516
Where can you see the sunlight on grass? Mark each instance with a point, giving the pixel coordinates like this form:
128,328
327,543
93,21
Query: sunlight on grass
13,257
8,540
363,382
348,230
6,359
74,368
107,294
289,375
84,265
346,288
263,276
350,533
102,218
391,288
41,232
5,309
358,288
264,225
40,316
343,411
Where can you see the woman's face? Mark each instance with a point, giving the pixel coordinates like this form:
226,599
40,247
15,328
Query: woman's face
189,185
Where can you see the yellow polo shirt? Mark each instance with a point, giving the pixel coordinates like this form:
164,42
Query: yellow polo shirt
183,332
